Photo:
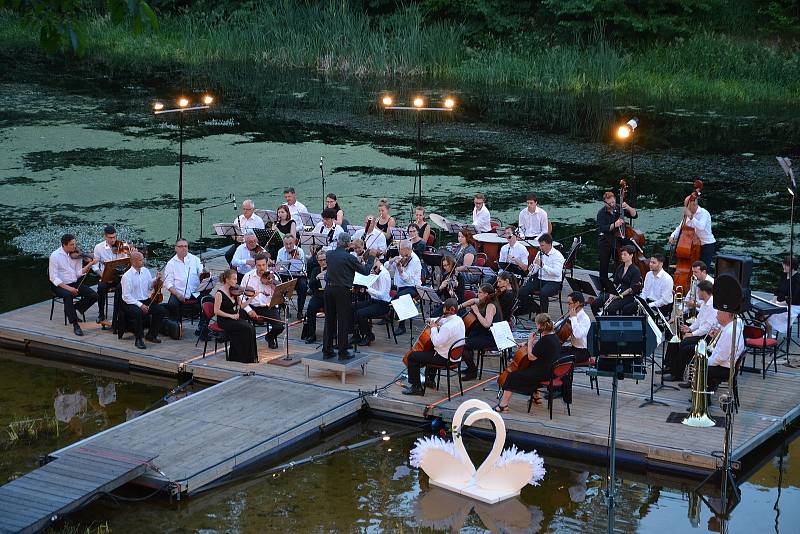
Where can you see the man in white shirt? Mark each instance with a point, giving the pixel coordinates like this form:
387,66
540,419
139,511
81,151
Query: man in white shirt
580,323
375,306
372,236
296,257
445,331
137,285
533,219
481,219
658,286
329,228
513,253
675,362
104,253
545,277
244,258
700,272
66,276
719,361
295,207
258,306
181,279
699,219
247,220
407,271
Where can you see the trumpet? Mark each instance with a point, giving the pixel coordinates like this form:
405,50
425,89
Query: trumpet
677,314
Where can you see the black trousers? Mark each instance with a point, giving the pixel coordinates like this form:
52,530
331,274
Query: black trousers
418,360
87,298
605,249
369,309
135,317
676,361
624,306
707,254
581,355
173,306
716,375
302,291
545,290
405,290
473,343
275,327
338,313
102,295
315,304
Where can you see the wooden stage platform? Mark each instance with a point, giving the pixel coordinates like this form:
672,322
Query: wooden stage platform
645,439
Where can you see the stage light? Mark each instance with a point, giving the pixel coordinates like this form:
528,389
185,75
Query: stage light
418,102
449,103
387,101
625,131
208,99
183,102
158,106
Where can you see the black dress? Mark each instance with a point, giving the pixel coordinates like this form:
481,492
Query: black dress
385,228
547,350
241,333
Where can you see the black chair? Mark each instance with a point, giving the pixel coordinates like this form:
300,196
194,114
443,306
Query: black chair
735,388
55,298
209,329
452,367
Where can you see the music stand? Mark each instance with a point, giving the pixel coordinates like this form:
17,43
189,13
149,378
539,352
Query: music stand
310,219
399,234
454,227
312,241
268,216
109,269
265,236
429,295
282,295
352,228
228,229
581,286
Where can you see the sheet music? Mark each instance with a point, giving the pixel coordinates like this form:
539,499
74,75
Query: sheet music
366,281
404,307
656,330
503,337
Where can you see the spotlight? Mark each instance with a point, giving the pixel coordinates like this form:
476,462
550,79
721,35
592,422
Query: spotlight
449,103
183,102
387,101
625,131
158,106
418,102
208,99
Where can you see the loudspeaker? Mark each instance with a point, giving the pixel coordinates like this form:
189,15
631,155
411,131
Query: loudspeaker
731,297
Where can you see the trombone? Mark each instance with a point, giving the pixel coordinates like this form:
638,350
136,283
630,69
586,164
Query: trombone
693,297
677,315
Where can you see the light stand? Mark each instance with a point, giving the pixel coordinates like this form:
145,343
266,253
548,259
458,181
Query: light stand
322,175
650,400
204,208
786,165
626,132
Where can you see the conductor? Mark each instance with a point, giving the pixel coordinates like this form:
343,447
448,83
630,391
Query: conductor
342,267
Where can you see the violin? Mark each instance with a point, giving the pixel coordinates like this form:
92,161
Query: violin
120,247
156,296
237,291
256,251
85,256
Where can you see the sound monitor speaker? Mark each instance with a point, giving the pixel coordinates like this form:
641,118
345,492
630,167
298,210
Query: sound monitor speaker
730,296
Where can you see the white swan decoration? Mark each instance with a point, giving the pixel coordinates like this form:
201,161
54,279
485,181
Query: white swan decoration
501,476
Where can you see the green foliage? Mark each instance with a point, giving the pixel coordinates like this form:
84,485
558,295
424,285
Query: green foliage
781,15
486,20
58,22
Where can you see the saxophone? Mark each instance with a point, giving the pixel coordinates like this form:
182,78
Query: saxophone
698,416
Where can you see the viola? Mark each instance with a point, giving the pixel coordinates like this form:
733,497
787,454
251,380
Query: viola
687,247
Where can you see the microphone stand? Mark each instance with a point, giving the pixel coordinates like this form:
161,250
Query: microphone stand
651,400
322,175
204,208
786,165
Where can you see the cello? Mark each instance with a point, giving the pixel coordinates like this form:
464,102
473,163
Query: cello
687,247
424,342
632,234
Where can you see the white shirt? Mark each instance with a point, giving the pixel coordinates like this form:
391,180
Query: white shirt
517,252
284,256
62,269
104,253
184,275
580,329
136,286
482,220
533,224
706,319
375,239
722,351
263,293
295,210
320,228
552,266
240,258
380,288
657,288
450,330
701,222
253,222
412,273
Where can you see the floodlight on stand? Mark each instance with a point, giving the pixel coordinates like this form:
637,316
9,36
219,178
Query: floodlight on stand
387,101
208,99
625,131
183,102
158,106
418,102
449,103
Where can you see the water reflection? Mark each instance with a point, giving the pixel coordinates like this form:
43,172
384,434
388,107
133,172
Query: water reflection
444,510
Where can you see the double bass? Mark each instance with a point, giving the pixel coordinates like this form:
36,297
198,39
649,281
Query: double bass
687,248
632,234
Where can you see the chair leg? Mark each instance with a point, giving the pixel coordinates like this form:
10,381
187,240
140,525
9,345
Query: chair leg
550,400
481,353
448,384
460,385
52,307
530,401
205,346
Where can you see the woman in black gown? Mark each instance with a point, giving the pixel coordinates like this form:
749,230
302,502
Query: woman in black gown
542,355
487,311
240,332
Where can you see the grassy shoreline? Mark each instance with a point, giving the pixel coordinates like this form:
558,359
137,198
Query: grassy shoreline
332,39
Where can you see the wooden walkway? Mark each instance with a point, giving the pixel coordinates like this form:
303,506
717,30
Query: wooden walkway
30,503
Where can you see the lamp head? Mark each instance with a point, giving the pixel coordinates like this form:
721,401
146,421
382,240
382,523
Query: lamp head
449,103
419,102
158,106
387,101
183,102
625,131
208,100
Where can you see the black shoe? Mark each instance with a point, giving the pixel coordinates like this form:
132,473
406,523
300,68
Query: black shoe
100,318
469,375
310,340
272,343
685,385
300,316
140,343
400,331
77,329
346,355
414,390
354,340
152,339
366,340
328,354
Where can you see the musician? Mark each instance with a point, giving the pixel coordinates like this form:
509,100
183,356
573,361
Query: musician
694,216
66,279
514,253
244,258
464,254
417,243
542,354
445,331
262,282
284,225
247,220
357,248
611,229
332,203
580,323
240,332
385,221
699,273
376,305
295,206
372,236
507,289
423,228
628,281
137,287
450,286
779,321
719,361
329,228
545,275
292,253
407,272
316,275
104,253
675,362
658,286
181,278
487,311
342,267
533,219
481,219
